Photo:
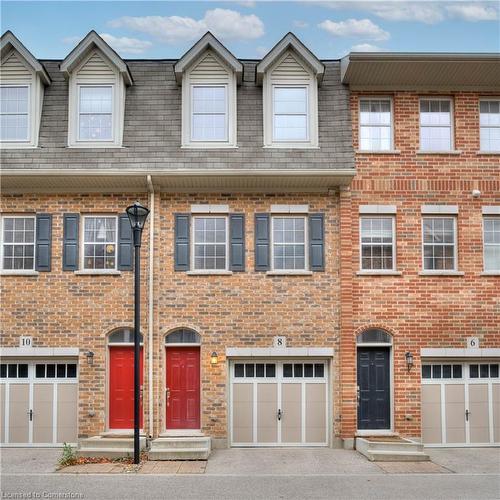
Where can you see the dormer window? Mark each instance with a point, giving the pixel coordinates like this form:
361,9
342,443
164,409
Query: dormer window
290,75
209,75
97,80
22,81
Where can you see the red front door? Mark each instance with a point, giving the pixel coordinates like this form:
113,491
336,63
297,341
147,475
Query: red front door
183,388
121,387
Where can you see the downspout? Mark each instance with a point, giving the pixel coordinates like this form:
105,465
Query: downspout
151,192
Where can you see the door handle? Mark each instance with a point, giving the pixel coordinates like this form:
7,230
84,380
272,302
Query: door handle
30,413
168,395
467,413
358,395
280,414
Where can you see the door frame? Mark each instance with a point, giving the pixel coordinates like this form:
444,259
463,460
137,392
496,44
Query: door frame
163,386
279,380
390,430
465,381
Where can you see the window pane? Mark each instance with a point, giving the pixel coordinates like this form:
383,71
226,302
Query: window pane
100,242
290,114
95,113
209,114
297,370
51,371
259,370
239,370
289,243
484,371
3,370
474,371
426,371
457,371
494,371
61,371
271,370
71,370
436,371
287,370
249,370
22,371
319,370
308,370
12,371
446,371
489,121
210,243
291,100
14,121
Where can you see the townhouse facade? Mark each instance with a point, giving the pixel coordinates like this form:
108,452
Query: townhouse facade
307,272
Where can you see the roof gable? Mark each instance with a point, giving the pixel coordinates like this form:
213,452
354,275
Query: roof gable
89,43
207,41
290,42
10,42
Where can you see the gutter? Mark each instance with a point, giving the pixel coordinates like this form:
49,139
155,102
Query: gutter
151,192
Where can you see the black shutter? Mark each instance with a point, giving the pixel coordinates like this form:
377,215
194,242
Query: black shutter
43,242
316,242
262,242
71,224
125,244
181,250
237,240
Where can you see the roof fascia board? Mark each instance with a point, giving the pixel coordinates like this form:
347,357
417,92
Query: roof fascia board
86,45
290,41
208,41
10,41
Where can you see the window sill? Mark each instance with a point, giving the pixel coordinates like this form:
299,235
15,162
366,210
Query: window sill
19,272
6,146
209,146
209,273
95,145
378,273
289,273
376,152
441,273
98,272
451,152
490,273
291,145
490,153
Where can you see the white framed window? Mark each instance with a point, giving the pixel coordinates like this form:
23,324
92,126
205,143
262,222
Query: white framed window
290,113
375,124
95,113
489,125
100,235
14,113
289,243
377,243
436,128
210,243
18,243
491,243
439,240
209,120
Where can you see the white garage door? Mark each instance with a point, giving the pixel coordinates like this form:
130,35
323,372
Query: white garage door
38,402
279,403
460,403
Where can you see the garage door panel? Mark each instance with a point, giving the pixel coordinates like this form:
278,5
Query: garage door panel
479,422
43,414
291,422
2,413
496,412
242,413
315,413
431,414
267,404
455,410
19,395
67,413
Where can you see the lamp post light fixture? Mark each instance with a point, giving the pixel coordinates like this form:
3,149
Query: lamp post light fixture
90,357
409,360
137,215
214,358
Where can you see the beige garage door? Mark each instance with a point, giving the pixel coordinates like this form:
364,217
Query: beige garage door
279,403
38,402
460,403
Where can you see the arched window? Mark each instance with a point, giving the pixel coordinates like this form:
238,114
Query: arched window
122,336
374,336
183,336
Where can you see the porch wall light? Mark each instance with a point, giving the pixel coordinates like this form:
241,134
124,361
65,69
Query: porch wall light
90,357
409,360
214,358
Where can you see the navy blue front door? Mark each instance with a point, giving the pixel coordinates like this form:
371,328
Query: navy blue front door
374,398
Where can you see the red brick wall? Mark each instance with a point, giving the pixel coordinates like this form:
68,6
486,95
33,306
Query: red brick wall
420,311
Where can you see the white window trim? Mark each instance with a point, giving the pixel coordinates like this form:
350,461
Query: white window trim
391,104
118,109
307,140
194,270
487,99
393,223
268,85
82,268
226,114
306,269
489,217
455,245
78,113
13,272
452,125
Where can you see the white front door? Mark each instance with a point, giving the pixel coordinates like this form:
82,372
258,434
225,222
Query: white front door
279,403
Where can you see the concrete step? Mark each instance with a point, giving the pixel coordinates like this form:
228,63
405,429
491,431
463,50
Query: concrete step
181,442
403,450
180,448
108,447
396,446
106,452
390,456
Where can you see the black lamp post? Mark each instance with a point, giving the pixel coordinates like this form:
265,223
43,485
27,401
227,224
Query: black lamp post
137,215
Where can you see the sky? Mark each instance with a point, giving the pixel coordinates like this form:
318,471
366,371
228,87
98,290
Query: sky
250,28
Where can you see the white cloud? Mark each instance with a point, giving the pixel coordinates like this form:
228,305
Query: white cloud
224,23
366,47
473,12
300,24
126,45
355,28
